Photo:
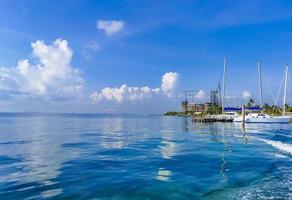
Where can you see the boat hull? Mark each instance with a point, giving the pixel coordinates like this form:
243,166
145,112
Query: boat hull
265,120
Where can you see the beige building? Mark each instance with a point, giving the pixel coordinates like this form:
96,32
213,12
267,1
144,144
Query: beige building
196,107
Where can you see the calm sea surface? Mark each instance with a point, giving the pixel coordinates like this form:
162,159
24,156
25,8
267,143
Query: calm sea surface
141,157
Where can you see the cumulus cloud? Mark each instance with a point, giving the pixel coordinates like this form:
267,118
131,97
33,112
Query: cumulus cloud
246,94
123,93
130,94
168,83
201,94
48,74
110,27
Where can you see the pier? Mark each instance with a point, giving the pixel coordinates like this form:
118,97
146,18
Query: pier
212,118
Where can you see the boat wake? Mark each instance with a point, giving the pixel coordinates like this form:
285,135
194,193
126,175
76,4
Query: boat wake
283,147
287,148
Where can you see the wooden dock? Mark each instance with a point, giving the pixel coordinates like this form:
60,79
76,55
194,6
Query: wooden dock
212,118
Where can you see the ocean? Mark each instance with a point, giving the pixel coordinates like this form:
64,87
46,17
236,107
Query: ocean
95,156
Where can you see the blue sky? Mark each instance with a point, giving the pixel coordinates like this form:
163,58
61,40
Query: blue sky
136,44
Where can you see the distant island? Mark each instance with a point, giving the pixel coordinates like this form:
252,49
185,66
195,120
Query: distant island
174,113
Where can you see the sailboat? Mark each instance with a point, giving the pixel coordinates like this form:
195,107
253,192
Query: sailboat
225,116
265,118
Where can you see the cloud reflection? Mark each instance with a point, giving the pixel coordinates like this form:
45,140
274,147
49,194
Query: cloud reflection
42,153
163,174
168,149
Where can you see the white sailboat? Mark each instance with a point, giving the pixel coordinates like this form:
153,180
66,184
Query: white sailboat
225,116
265,118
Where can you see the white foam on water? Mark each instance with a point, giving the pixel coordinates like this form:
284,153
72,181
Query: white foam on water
280,155
274,189
51,193
284,147
287,148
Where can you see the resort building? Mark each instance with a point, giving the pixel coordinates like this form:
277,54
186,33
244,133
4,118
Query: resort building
196,107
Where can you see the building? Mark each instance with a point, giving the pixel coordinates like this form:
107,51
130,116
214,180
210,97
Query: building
196,107
208,107
201,107
184,106
214,97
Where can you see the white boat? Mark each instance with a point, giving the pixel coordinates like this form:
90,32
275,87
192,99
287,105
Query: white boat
225,115
263,118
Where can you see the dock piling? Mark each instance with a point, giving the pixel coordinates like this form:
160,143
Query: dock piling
243,114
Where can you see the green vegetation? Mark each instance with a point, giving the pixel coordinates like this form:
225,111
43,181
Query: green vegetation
215,110
180,114
272,110
250,103
172,113
275,110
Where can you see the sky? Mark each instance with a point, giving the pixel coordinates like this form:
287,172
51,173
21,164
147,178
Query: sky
131,56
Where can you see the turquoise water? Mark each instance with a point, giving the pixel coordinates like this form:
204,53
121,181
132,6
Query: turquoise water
141,157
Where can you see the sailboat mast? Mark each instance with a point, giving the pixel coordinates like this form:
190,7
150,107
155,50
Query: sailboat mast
260,83
285,91
224,84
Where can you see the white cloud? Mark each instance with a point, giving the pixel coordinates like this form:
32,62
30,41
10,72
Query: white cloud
48,74
130,94
89,49
246,94
110,27
168,83
123,93
201,94
93,46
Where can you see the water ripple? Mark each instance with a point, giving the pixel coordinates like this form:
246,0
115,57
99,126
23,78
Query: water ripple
141,157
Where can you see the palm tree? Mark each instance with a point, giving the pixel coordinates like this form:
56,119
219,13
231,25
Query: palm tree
250,102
